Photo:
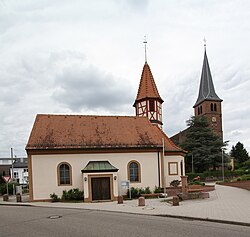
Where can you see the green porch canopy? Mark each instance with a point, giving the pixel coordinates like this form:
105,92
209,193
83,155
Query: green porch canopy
99,166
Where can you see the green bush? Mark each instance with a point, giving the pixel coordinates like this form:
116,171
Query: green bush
3,188
196,182
137,192
144,191
134,192
54,197
73,194
244,177
157,189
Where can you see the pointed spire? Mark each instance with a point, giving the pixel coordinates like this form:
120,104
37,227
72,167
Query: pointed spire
206,91
147,87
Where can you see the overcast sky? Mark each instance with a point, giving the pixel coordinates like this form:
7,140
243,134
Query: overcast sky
86,57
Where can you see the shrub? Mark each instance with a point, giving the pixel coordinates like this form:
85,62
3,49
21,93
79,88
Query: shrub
196,182
175,183
3,188
245,177
134,192
54,197
157,189
144,191
73,194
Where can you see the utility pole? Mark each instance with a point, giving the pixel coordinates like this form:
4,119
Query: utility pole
192,163
164,182
12,173
222,164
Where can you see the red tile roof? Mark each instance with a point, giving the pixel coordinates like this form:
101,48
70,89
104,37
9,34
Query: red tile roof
90,132
147,87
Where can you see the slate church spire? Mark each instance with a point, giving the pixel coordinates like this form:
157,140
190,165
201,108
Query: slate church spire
148,102
208,102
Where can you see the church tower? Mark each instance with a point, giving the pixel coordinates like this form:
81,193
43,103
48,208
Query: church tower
148,102
208,103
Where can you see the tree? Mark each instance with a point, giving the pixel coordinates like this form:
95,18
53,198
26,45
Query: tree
239,153
202,144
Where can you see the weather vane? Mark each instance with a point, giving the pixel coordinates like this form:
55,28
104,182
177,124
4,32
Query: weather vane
145,44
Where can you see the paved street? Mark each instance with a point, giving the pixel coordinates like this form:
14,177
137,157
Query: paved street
225,204
35,221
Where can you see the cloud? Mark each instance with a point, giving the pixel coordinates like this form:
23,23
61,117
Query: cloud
86,57
84,87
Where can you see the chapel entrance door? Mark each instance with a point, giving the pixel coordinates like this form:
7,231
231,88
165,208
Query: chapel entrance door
100,188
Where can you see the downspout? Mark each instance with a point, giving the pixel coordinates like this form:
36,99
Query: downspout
159,177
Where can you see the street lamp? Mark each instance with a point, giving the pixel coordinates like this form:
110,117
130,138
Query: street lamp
222,161
222,164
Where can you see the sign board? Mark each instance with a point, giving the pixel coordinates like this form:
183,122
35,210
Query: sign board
125,184
6,178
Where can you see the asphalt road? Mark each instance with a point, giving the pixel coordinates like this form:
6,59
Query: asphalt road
40,221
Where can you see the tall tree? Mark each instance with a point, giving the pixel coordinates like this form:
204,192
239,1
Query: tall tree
239,153
202,144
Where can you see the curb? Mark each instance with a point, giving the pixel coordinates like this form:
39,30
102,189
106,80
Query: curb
207,219
141,214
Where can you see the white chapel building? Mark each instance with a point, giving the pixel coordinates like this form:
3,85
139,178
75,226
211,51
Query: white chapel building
97,153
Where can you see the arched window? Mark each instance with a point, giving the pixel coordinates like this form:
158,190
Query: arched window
215,107
198,110
212,107
134,171
64,174
201,109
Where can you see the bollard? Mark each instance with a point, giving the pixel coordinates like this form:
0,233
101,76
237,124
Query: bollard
120,199
18,197
141,201
5,197
175,201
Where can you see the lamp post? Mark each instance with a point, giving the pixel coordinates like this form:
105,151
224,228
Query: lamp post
192,163
222,164
12,171
222,161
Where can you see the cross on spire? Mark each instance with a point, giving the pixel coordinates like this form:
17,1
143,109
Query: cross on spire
205,42
145,45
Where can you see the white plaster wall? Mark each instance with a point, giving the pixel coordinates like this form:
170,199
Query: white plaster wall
178,159
44,170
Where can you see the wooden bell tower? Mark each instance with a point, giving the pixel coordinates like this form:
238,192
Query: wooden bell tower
148,102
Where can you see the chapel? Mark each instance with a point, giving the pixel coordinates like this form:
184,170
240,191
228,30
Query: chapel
99,154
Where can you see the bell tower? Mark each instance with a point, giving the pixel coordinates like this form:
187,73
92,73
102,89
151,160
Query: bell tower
148,102
208,102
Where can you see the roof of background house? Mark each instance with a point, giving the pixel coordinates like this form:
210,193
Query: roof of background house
6,158
206,91
20,163
90,132
147,87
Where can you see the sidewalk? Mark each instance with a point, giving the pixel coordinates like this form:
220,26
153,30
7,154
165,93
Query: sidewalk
226,204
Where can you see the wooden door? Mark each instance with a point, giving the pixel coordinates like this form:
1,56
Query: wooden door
100,188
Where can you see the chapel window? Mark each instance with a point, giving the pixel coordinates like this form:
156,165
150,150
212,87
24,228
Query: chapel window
134,171
212,107
215,107
64,172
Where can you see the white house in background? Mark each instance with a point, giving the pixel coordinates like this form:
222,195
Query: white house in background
20,170
97,153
